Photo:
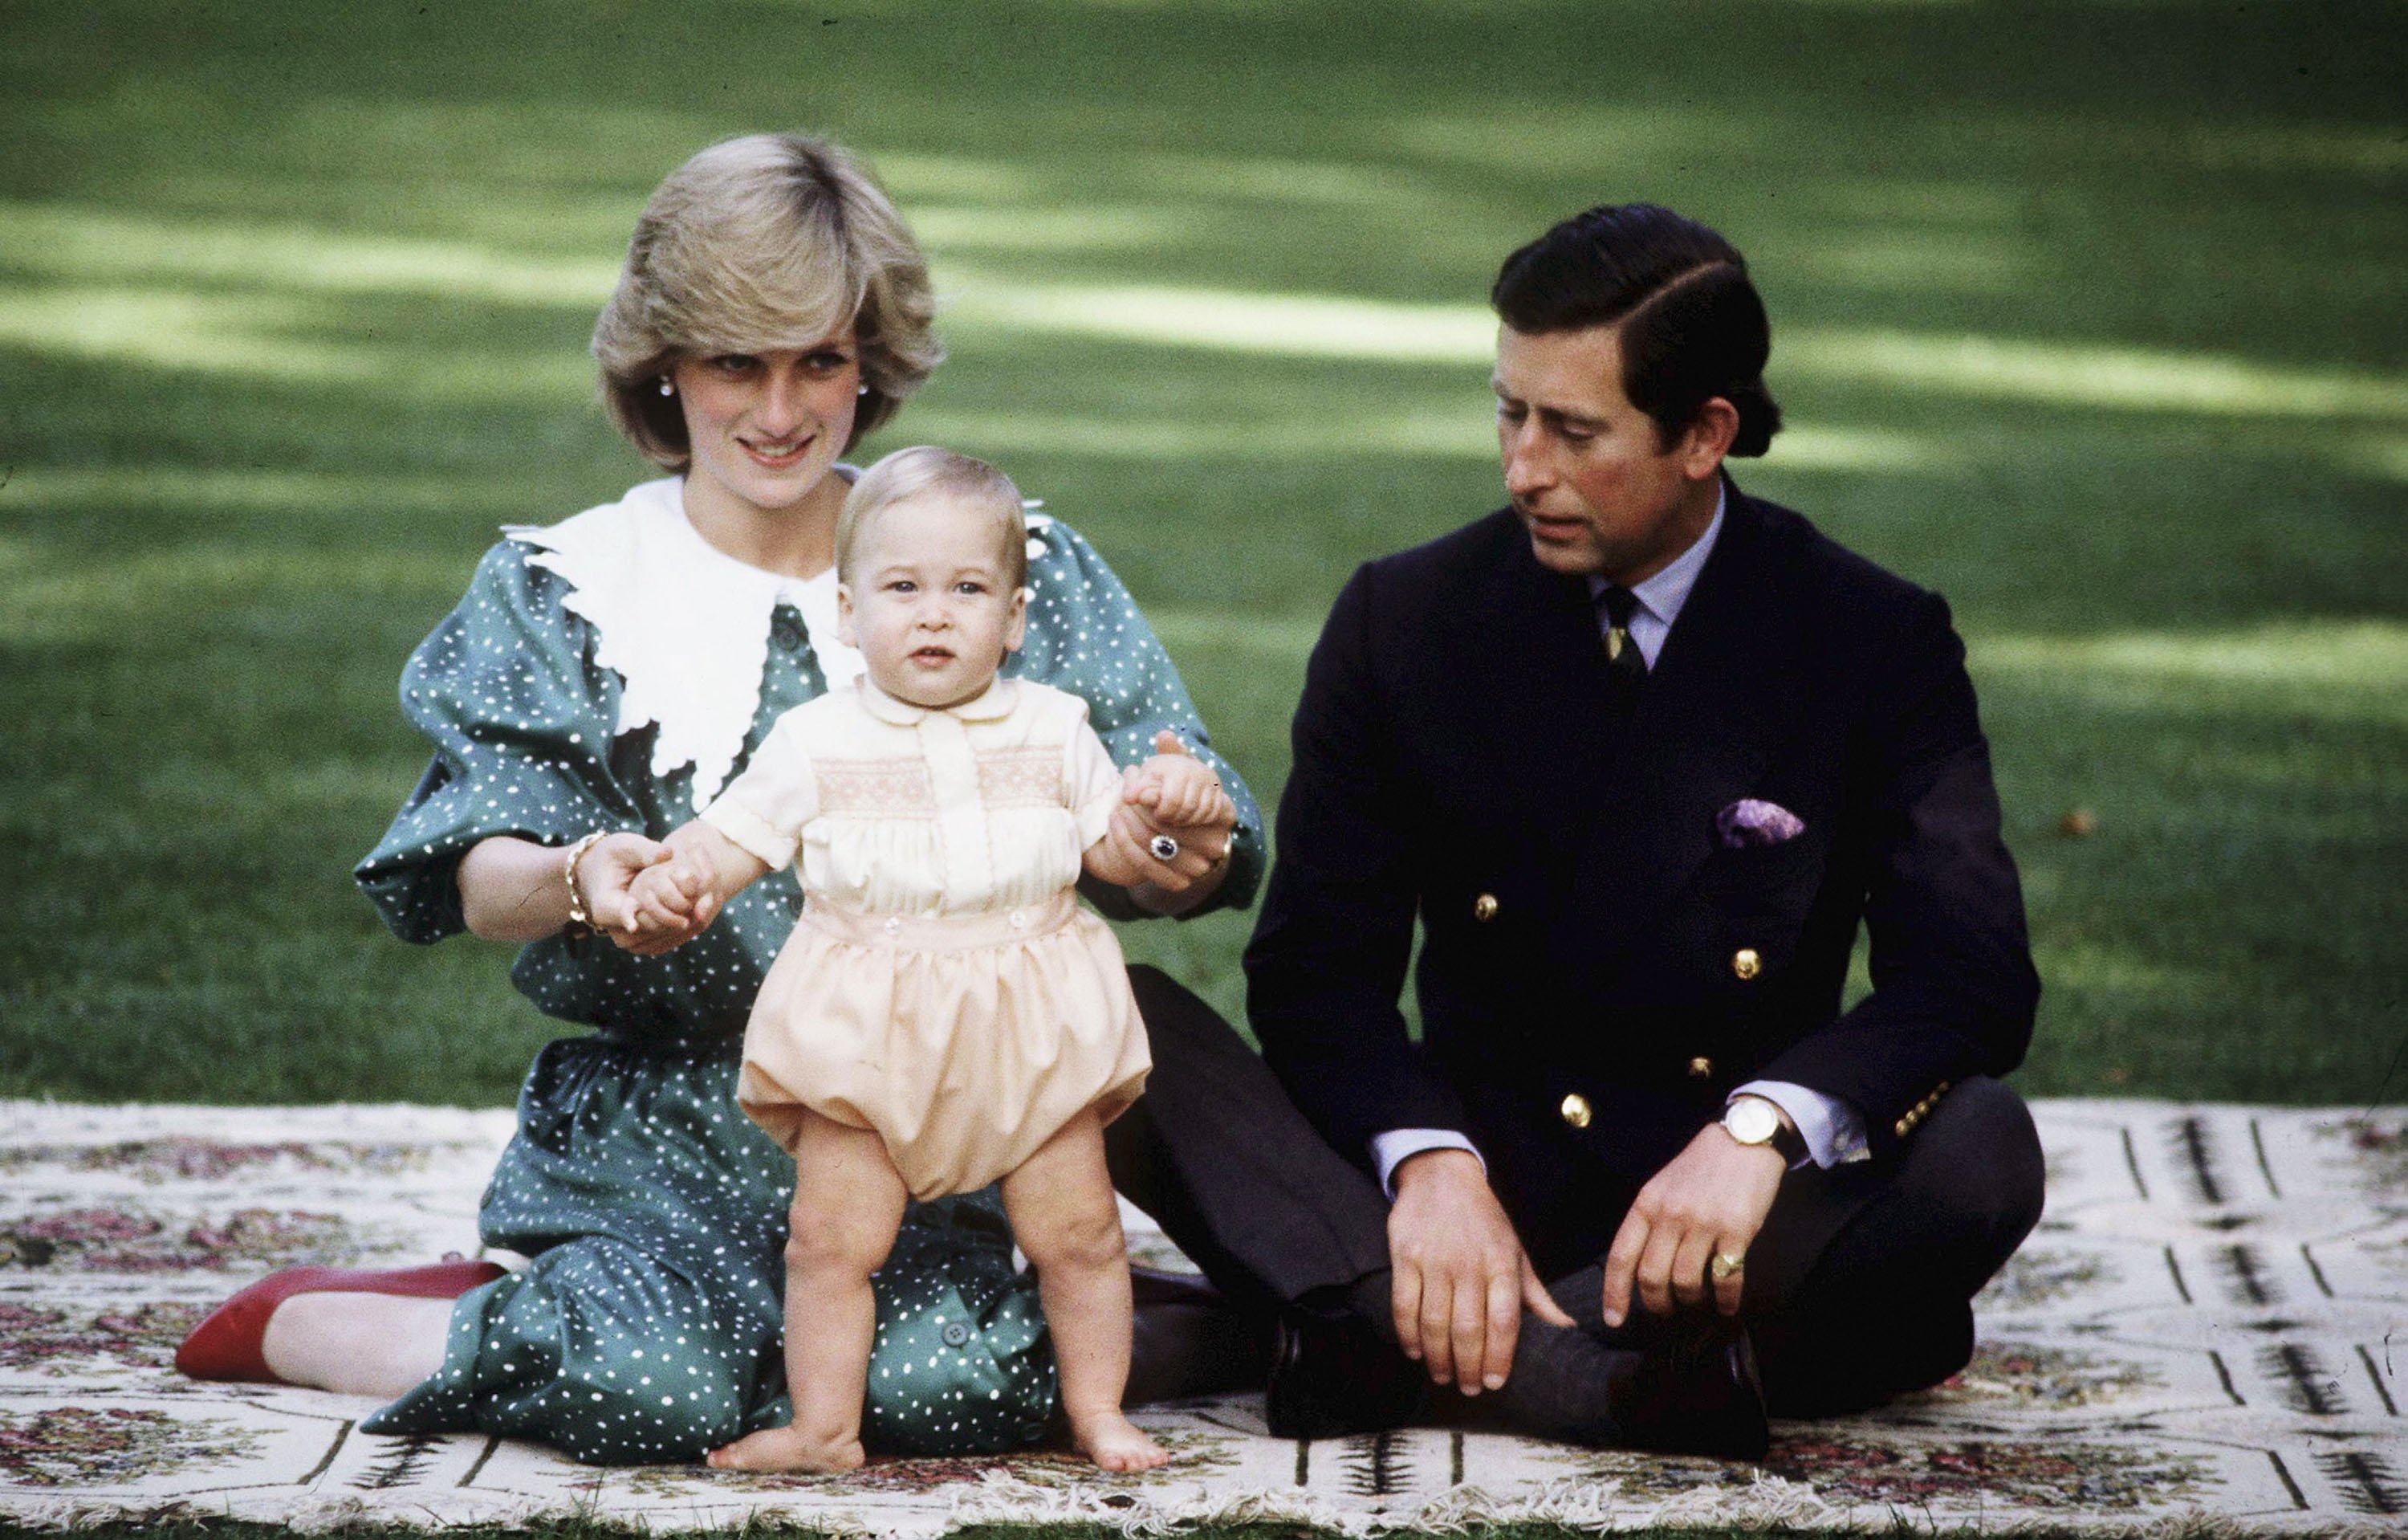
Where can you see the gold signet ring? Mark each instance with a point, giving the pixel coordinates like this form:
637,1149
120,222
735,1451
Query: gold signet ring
1724,1266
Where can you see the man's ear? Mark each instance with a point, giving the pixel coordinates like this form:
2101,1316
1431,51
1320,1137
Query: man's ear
1708,439
844,631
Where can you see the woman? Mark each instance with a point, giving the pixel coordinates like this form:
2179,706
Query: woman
601,681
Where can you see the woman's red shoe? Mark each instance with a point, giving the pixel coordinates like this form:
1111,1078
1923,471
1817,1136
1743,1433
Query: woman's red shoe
227,1345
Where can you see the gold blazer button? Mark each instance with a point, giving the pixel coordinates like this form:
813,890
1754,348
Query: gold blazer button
1575,1110
1747,964
1700,1067
1484,908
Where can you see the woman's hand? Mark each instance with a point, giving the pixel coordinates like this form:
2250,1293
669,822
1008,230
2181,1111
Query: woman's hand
606,877
512,889
670,898
1172,793
1179,791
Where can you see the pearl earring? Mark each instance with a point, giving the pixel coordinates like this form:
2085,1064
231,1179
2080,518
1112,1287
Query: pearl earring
863,391
666,388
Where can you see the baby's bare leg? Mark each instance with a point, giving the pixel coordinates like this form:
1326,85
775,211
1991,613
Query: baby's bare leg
1060,1202
848,1203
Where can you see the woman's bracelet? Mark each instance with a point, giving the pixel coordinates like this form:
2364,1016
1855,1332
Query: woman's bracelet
579,922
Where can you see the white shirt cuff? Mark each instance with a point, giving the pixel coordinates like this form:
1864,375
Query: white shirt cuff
1833,1130
1391,1149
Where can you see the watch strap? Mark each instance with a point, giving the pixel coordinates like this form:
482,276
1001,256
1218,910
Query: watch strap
1785,1141
1791,1144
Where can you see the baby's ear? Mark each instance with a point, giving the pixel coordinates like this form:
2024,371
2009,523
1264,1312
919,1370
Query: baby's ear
844,615
1016,631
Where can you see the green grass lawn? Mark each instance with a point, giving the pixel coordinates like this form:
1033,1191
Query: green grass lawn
2093,316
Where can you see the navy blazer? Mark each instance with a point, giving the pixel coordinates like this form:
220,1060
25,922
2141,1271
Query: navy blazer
1459,759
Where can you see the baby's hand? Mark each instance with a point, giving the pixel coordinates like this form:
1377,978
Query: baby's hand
1170,832
670,900
1182,793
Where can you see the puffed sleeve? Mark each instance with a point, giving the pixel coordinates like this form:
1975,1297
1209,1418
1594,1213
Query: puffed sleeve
764,808
523,723
1085,636
1091,782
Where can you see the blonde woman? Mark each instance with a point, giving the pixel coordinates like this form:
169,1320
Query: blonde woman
604,678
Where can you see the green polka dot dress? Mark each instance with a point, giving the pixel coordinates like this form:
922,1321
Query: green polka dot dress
646,1327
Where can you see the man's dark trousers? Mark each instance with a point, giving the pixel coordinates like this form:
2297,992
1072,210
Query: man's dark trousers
1857,1289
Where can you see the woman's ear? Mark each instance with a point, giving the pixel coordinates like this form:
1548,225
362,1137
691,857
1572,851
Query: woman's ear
844,632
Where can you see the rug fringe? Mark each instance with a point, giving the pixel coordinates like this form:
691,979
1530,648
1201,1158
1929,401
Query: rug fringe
306,1516
1768,1503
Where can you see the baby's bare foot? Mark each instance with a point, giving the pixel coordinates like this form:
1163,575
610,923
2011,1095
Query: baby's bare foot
1115,1443
789,1449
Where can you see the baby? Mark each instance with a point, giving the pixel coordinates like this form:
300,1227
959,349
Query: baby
945,1014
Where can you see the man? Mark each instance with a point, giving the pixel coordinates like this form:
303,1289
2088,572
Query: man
1641,752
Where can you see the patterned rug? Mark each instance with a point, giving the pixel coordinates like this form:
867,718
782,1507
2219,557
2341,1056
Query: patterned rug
2211,1327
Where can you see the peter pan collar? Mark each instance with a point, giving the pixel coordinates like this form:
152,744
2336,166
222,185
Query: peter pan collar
685,624
992,704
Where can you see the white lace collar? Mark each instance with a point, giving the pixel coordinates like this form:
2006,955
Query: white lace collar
683,625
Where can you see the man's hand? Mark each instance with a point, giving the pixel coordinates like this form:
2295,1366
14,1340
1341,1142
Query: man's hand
1461,1275
1710,1202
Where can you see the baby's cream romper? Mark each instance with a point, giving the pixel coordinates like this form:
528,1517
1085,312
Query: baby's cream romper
942,987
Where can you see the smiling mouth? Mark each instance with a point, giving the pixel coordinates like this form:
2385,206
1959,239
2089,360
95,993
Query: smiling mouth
778,454
932,657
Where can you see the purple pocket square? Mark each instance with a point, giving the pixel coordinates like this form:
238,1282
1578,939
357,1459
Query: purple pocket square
1748,821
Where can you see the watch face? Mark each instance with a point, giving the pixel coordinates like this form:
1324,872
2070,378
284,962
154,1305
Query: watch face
1751,1122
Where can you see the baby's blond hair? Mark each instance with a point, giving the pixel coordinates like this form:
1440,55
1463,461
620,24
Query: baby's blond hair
922,469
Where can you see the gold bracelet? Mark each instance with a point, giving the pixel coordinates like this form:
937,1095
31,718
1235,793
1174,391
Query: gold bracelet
579,922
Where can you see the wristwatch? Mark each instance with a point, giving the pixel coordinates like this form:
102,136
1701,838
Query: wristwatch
1753,1120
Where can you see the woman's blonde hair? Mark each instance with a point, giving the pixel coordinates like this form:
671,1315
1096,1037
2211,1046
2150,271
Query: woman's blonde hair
775,240
923,468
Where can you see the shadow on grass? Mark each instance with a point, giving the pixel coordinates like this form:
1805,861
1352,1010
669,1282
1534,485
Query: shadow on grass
293,304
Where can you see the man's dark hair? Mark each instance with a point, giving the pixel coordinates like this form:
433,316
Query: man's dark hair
1692,325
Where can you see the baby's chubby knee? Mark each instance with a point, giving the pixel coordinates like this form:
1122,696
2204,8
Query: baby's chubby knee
835,1238
1084,1237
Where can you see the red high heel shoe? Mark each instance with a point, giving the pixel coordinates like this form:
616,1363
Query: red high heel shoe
227,1345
